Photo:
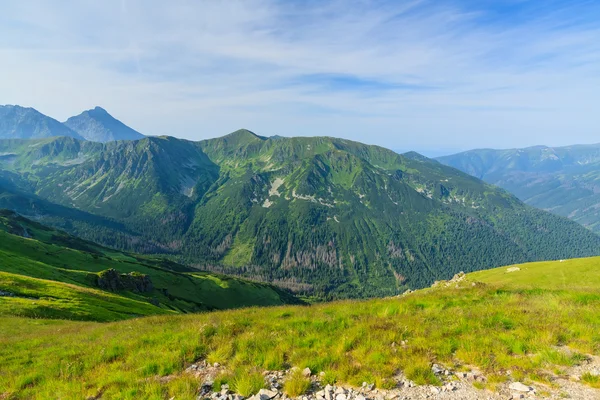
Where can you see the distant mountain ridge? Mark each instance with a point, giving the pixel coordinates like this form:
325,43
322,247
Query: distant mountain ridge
18,122
95,125
562,180
320,215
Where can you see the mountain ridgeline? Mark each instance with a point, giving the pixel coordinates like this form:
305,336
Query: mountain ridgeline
322,216
27,123
562,180
96,125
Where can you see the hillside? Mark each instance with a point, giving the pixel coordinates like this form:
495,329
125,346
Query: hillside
48,273
562,180
27,123
97,125
323,216
535,324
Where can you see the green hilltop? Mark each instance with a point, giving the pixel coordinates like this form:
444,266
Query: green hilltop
325,217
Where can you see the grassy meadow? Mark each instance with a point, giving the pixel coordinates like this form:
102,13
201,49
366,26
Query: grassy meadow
53,275
494,321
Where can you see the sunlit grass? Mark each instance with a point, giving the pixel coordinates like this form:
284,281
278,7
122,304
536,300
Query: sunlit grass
489,327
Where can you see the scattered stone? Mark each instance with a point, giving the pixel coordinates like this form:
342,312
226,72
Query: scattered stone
306,372
267,394
519,387
437,369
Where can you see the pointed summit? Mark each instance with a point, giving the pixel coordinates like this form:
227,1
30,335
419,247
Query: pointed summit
98,125
18,122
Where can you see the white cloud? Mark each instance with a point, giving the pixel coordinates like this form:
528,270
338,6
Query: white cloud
413,74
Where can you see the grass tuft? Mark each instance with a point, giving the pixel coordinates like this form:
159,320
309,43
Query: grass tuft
296,384
591,380
247,383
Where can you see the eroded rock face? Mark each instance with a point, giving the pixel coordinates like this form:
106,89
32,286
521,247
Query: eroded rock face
113,281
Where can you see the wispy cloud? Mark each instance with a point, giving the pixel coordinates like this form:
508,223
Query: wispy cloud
404,74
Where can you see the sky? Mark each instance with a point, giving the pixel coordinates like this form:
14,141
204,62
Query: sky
432,76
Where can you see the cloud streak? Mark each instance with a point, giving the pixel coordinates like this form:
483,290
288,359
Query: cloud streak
411,74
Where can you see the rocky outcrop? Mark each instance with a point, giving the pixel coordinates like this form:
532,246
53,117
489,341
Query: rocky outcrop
113,281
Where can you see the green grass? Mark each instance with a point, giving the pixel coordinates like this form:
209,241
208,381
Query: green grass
296,384
581,274
247,383
39,298
494,327
591,380
70,265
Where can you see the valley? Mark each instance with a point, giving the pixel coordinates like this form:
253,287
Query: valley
561,180
327,218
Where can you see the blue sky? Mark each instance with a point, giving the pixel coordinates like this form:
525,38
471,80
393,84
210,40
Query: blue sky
433,76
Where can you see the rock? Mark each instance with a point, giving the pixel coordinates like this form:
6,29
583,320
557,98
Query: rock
268,394
306,372
513,269
340,390
437,369
113,281
435,390
360,397
519,387
340,396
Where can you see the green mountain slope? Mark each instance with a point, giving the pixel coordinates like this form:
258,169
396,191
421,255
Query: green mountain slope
507,326
48,273
323,216
562,180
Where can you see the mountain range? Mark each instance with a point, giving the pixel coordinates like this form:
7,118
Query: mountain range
95,125
322,216
562,180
